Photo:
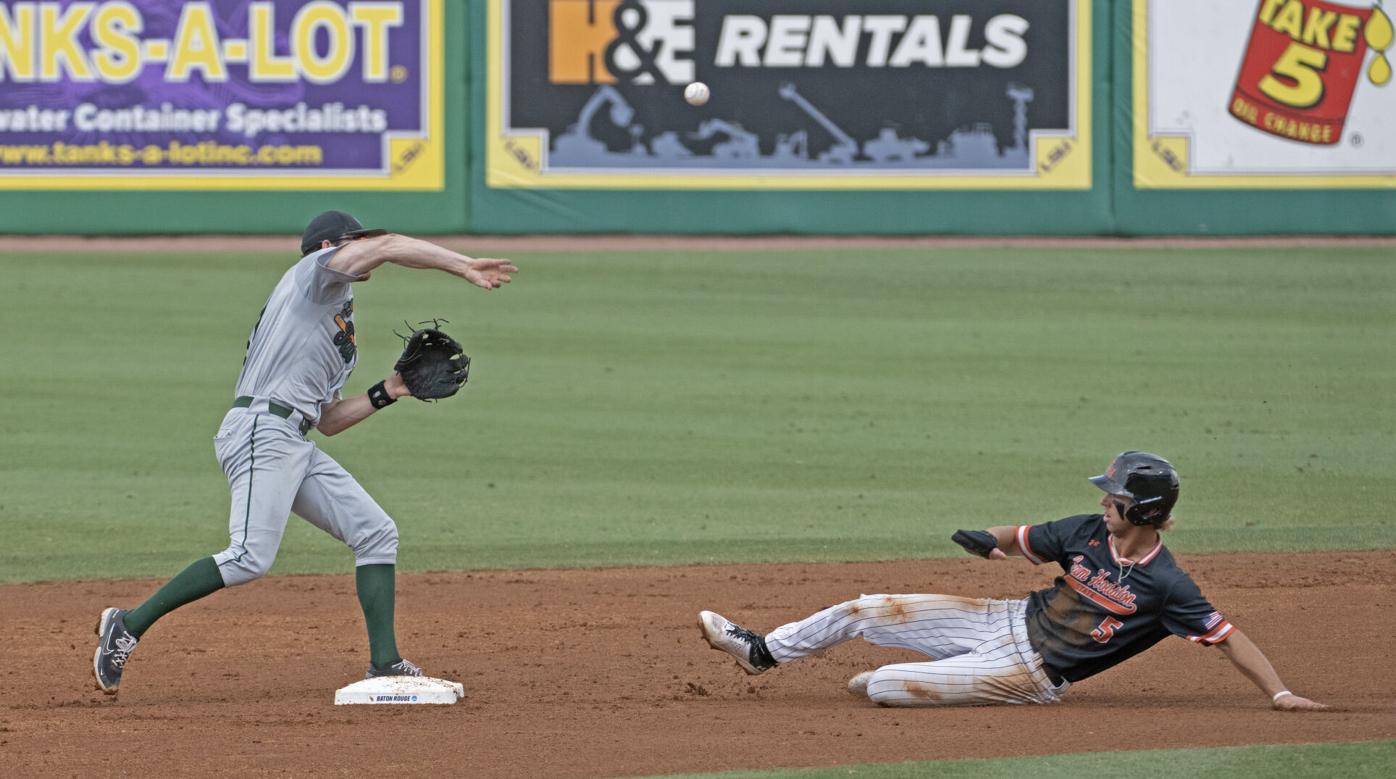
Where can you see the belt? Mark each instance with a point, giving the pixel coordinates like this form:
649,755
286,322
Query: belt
275,409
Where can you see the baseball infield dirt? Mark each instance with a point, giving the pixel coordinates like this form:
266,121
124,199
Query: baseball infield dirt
603,673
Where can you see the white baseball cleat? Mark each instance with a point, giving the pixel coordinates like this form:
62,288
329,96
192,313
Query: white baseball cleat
746,647
858,685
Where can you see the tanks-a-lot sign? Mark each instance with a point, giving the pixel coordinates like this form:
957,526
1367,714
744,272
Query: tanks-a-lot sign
221,95
815,93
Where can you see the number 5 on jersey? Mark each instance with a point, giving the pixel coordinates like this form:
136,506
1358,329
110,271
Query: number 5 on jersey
1106,629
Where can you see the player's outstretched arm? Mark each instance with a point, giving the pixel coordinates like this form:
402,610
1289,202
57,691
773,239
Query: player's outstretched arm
359,258
343,414
1249,660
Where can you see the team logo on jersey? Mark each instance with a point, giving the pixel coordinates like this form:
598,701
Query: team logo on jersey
626,41
1098,589
344,339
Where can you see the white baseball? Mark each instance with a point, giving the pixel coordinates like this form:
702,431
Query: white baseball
696,93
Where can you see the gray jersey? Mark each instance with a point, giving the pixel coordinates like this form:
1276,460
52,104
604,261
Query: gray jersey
301,352
302,348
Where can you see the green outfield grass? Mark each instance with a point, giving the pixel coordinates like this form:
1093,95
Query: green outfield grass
637,408
1351,761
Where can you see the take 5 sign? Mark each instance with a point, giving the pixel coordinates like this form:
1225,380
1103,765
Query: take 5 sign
1303,63
221,94
827,94
1307,105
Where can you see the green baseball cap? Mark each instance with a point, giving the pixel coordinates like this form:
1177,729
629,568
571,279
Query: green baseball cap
334,226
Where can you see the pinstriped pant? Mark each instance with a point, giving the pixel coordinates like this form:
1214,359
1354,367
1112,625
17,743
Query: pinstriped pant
979,648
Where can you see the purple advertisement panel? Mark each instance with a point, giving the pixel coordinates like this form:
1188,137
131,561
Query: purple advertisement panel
220,94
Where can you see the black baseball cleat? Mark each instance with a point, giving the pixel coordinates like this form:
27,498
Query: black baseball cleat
400,668
746,647
114,646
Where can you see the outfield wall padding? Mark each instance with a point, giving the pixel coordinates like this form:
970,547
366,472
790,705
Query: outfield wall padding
1112,203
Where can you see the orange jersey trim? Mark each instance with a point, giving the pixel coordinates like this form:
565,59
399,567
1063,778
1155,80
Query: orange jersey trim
1218,635
1022,538
1152,553
1098,599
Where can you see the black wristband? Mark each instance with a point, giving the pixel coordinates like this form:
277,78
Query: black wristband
378,395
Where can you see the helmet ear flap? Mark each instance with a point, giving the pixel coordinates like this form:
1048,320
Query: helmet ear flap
1144,513
1138,516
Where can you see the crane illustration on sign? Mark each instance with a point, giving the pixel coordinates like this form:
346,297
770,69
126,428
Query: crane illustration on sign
723,144
844,149
740,144
577,142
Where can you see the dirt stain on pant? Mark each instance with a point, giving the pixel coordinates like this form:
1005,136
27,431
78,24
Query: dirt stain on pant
897,609
923,692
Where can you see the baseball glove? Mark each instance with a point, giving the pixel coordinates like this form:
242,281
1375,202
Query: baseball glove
979,542
433,365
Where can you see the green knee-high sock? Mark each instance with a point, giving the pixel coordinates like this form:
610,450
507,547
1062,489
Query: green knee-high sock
199,579
375,585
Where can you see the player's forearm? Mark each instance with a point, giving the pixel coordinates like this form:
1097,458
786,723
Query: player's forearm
1005,535
344,414
416,253
1249,660
358,258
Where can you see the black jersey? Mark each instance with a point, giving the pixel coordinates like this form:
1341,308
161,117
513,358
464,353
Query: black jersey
1105,609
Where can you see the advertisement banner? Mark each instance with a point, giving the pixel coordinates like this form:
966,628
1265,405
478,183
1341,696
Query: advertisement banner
805,94
221,94
1263,94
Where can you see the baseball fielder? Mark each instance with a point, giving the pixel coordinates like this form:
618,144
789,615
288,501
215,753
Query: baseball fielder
1120,593
299,355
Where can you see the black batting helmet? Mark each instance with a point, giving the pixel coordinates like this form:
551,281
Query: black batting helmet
1147,479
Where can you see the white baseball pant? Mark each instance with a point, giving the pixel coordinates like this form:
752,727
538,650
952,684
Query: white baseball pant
980,649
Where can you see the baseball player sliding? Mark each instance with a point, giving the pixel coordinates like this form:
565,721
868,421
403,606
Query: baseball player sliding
1120,593
299,355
